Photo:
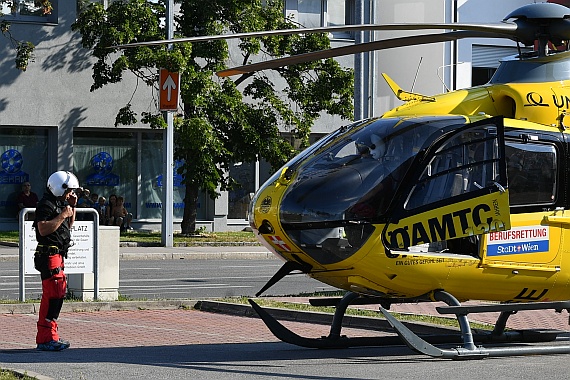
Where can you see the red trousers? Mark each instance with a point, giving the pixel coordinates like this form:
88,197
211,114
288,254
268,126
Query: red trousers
53,293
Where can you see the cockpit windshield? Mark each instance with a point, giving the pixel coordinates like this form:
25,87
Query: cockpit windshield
355,175
352,178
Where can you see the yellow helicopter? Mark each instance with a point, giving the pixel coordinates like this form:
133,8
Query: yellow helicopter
453,197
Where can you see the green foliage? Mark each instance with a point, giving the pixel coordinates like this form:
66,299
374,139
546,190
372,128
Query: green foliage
126,116
6,374
24,49
218,127
24,55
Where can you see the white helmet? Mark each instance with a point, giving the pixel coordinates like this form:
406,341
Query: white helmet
378,148
60,181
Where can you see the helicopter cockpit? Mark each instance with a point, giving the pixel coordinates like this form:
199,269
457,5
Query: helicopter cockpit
347,183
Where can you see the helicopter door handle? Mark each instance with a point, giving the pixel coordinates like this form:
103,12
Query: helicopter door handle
499,186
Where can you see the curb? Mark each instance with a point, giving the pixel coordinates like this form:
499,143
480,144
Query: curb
197,256
69,307
358,322
194,244
20,373
181,244
228,308
179,256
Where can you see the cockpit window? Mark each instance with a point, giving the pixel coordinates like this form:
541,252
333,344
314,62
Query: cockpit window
465,163
531,169
351,181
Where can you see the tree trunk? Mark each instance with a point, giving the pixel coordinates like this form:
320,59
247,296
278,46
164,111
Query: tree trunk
188,224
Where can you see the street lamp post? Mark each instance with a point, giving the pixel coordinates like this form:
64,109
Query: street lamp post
168,160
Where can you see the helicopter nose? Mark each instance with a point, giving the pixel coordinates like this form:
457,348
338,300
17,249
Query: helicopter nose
313,215
320,197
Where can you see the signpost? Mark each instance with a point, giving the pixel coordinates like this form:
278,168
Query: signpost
169,90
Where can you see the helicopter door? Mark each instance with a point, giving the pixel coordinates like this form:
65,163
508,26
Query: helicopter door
534,241
457,190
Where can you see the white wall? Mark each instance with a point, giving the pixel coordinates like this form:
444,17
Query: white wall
437,60
402,64
481,11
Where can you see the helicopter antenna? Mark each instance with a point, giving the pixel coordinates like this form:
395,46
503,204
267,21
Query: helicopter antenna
440,77
417,71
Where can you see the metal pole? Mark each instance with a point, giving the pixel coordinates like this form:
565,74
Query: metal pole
168,167
96,253
22,252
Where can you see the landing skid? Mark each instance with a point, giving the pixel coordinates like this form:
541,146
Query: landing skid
425,344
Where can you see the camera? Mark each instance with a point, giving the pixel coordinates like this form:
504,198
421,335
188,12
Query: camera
80,191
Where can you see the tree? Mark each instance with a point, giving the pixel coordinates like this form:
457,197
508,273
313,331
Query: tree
217,127
24,49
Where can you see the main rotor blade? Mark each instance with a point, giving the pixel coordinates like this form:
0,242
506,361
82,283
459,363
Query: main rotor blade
358,48
504,28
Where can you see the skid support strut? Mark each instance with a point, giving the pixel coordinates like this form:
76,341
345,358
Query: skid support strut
464,325
339,312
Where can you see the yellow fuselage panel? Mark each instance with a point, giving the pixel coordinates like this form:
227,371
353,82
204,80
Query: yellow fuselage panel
411,274
538,103
461,102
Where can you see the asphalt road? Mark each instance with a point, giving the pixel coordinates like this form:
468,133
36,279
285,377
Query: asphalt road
181,279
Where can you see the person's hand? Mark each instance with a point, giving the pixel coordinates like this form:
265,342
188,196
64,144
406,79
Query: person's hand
72,199
67,212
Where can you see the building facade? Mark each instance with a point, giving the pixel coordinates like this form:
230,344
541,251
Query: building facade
50,120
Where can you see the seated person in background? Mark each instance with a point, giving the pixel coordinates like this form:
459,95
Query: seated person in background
121,217
101,207
109,210
94,199
27,198
86,199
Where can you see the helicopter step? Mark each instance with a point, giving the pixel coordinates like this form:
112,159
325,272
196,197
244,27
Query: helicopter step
558,306
425,343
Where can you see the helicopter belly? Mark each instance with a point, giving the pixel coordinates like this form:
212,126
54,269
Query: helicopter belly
414,273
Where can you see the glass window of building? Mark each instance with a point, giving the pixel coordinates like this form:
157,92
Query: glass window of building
23,158
130,164
239,198
313,14
106,163
28,11
152,183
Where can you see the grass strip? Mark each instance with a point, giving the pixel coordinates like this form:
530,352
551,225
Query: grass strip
156,237
357,311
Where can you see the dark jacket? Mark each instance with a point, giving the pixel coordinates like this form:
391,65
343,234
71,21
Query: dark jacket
48,208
